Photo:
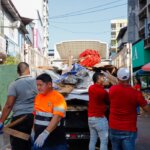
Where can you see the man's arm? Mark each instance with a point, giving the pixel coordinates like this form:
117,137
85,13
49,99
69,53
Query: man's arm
7,108
53,123
146,108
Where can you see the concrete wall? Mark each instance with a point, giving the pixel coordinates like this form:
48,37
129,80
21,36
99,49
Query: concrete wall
8,73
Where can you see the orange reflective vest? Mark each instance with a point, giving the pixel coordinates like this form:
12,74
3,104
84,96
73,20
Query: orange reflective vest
46,106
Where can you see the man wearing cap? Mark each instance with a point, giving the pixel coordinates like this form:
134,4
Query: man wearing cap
123,117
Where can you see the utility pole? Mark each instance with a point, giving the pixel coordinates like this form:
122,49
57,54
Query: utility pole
130,63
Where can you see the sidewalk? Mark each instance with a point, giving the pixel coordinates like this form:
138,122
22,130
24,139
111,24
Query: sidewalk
4,142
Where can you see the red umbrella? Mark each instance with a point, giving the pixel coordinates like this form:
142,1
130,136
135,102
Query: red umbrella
146,67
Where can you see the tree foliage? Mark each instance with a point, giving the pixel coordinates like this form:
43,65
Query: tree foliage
10,60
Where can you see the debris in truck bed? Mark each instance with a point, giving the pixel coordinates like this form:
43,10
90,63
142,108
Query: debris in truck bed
76,108
89,58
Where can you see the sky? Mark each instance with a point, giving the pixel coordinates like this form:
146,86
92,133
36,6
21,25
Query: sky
83,19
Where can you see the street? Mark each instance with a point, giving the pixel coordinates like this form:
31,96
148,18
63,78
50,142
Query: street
143,140
142,143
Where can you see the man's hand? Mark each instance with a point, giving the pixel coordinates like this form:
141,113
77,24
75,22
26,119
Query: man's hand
41,139
1,127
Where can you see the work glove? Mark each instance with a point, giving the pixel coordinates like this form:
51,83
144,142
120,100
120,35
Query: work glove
32,136
41,139
1,127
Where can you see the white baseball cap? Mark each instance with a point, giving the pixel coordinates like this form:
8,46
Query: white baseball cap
123,74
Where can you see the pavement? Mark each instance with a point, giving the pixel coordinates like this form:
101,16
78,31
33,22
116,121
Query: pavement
142,142
4,142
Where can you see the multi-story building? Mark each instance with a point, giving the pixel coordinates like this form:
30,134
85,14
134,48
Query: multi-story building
133,25
139,31
144,22
36,50
116,25
123,56
12,30
45,26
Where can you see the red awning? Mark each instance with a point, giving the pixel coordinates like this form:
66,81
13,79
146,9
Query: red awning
146,67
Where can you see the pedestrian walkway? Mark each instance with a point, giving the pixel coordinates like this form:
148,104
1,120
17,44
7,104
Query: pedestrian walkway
143,140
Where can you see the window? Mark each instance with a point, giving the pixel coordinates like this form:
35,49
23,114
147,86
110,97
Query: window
113,42
113,34
113,26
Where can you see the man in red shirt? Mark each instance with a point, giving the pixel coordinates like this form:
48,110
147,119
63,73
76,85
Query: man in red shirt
98,123
123,117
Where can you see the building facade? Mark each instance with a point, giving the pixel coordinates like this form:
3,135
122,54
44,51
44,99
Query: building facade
133,23
116,25
45,26
139,31
74,48
36,44
123,58
12,30
144,22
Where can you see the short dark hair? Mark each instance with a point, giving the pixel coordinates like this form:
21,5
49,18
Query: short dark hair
138,80
21,67
96,76
44,78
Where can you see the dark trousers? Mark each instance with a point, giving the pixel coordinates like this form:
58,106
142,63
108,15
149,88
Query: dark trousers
26,127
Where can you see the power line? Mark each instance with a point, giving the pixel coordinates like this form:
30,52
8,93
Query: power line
91,21
74,12
64,16
77,32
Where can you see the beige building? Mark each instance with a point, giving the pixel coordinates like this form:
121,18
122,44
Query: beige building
74,48
116,25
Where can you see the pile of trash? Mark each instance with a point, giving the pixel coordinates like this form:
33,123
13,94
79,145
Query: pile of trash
89,58
74,82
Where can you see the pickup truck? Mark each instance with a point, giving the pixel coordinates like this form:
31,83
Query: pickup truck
76,124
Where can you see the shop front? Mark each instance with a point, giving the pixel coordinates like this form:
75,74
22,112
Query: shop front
140,57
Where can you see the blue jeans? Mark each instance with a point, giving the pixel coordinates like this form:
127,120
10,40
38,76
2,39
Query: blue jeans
98,128
122,140
138,109
57,147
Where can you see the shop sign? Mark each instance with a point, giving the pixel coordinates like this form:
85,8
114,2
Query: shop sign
138,54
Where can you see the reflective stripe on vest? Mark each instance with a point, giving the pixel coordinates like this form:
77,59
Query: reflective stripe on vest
59,109
44,114
44,118
40,122
43,123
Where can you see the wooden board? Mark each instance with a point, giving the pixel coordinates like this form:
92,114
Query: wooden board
16,121
16,133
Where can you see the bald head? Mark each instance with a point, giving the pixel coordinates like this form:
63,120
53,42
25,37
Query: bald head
23,69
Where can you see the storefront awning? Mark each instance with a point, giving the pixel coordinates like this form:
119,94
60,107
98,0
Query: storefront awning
146,67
